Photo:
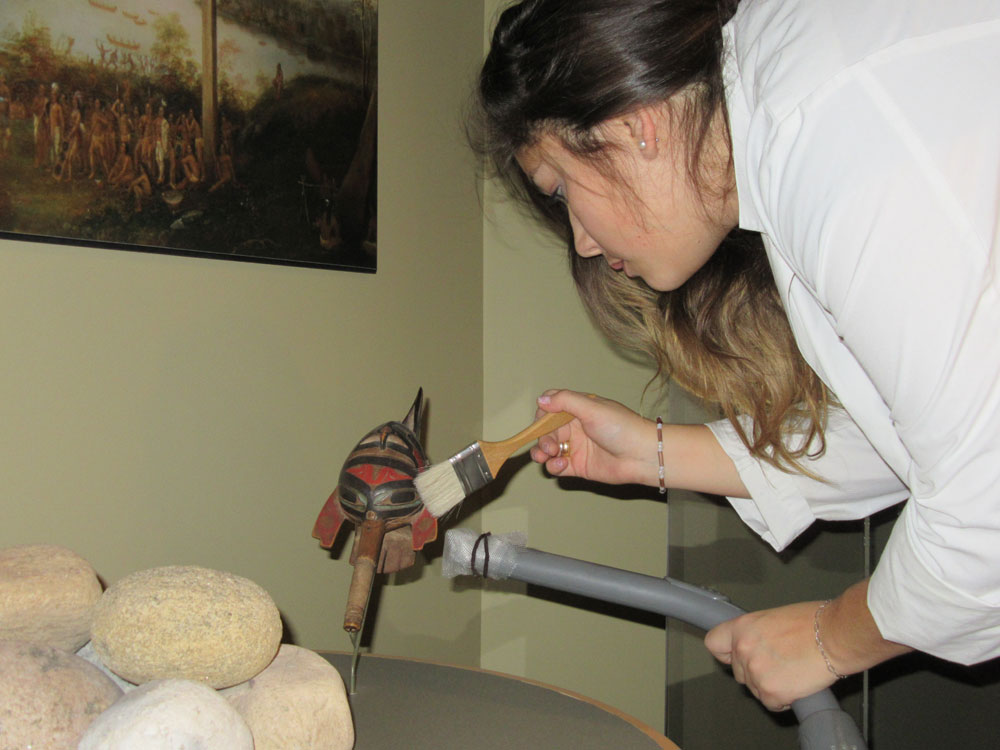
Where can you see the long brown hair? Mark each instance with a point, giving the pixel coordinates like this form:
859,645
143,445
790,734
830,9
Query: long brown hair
565,67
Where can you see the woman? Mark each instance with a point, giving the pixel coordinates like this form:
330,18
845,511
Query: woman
792,207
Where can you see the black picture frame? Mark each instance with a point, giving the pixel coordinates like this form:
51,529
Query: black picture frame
112,133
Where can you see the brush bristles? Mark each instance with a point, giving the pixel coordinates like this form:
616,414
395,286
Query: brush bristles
439,488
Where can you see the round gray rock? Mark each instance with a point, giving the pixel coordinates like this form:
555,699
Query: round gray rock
298,702
47,596
186,622
169,715
49,696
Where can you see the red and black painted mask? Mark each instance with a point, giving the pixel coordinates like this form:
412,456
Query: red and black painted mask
376,482
378,474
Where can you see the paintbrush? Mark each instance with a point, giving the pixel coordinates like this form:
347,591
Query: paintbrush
444,485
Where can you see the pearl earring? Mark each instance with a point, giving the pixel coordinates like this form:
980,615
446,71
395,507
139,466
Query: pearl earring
642,144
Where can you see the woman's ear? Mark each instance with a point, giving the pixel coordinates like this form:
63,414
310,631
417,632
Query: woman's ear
644,127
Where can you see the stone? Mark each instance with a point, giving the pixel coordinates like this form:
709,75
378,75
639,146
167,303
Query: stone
49,696
47,596
169,715
186,622
298,703
87,652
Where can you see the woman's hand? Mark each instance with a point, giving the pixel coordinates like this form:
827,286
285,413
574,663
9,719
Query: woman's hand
773,652
607,442
610,443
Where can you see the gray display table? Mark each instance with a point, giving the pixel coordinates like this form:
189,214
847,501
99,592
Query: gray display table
419,705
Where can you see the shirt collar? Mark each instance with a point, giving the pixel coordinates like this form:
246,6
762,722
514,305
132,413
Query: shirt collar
739,126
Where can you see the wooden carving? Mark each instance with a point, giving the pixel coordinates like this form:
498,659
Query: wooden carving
375,493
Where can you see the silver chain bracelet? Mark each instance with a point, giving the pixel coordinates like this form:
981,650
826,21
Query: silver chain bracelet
819,642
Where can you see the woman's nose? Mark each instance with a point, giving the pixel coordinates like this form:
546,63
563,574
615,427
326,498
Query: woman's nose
583,243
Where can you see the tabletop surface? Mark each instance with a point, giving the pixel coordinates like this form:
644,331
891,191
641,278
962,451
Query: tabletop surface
423,705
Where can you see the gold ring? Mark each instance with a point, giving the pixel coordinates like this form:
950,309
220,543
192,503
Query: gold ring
564,448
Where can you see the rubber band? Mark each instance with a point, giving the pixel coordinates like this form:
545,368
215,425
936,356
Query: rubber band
486,554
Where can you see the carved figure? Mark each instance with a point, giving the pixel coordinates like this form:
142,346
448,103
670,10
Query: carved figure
376,493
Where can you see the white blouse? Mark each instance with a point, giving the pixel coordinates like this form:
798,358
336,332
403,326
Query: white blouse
866,142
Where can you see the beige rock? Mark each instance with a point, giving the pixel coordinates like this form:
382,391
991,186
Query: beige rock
186,622
48,697
169,715
47,595
298,703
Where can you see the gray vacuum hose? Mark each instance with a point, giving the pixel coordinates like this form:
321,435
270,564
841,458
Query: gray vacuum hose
823,725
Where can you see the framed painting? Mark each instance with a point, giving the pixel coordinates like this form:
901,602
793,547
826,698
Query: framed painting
240,129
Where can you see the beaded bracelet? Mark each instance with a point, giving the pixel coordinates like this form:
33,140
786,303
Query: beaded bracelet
819,642
659,455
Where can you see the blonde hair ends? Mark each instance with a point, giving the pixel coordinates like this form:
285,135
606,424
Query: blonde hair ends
723,337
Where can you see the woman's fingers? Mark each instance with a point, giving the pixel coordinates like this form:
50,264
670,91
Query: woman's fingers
557,466
719,641
553,450
773,652
576,403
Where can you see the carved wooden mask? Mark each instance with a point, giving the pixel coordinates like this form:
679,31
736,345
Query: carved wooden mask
376,482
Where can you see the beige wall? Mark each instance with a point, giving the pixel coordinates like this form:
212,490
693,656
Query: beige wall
162,410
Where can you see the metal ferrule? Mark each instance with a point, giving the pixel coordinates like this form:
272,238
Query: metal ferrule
471,469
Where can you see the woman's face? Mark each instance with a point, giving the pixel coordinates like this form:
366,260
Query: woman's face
655,226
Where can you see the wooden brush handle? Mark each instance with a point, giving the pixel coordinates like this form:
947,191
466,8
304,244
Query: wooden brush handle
498,452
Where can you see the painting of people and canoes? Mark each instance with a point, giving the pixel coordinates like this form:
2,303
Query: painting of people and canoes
241,129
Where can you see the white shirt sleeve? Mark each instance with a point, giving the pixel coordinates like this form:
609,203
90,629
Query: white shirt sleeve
856,482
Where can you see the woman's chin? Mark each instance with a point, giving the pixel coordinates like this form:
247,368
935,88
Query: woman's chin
660,284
